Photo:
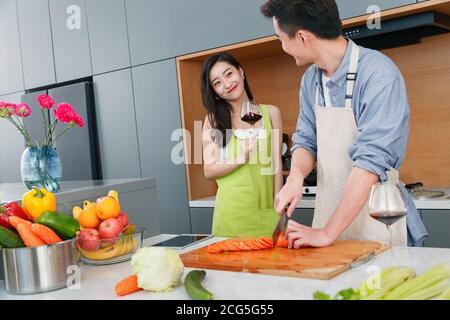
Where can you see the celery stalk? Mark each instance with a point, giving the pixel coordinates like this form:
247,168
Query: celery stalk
387,279
422,286
444,296
430,292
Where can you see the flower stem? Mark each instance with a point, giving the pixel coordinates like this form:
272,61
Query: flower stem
64,131
44,122
22,130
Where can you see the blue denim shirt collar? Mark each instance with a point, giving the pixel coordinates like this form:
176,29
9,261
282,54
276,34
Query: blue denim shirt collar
339,78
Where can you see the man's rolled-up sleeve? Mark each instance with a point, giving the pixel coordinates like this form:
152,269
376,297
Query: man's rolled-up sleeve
382,126
305,132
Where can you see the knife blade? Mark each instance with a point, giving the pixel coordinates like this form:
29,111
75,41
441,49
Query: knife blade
281,226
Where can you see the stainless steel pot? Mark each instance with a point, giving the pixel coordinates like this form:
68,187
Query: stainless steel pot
41,269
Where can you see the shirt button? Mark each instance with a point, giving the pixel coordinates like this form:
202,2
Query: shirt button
329,84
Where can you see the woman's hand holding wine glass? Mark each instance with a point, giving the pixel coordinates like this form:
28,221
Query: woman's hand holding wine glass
248,146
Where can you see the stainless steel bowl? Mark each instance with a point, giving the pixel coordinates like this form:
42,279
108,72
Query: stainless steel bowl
41,269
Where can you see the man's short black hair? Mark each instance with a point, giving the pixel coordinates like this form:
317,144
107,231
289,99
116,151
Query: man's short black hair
320,17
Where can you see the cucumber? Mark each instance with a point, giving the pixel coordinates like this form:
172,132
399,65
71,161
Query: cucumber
193,286
64,225
10,239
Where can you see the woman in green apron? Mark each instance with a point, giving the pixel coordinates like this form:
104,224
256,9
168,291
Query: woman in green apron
245,163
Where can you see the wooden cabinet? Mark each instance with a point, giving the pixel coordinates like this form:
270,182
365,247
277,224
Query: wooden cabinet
36,43
158,121
108,35
11,79
275,79
70,39
437,223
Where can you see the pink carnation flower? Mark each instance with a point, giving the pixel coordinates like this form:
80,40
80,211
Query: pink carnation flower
22,110
7,109
78,120
65,113
46,101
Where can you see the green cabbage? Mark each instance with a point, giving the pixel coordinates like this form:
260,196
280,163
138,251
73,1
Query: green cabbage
157,268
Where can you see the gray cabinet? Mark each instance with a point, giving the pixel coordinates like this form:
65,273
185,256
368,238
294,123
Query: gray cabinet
108,35
158,116
36,43
201,220
203,24
116,124
437,223
150,30
11,79
349,9
11,149
303,216
70,39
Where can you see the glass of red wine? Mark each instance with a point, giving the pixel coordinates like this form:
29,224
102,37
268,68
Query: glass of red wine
386,205
250,113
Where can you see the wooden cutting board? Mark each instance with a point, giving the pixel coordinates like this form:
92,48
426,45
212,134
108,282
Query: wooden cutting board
313,263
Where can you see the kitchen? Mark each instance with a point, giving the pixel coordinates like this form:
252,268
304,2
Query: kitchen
145,64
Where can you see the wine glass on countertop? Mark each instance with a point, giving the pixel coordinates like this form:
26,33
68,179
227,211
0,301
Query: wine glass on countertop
386,205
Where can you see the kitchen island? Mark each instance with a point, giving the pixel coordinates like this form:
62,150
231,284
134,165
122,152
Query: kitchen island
98,282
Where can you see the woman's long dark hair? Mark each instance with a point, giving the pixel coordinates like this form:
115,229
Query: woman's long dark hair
219,110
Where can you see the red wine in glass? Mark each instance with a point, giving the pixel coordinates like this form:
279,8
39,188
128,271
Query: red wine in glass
250,112
388,218
251,118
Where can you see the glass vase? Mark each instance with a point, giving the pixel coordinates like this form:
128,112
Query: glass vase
40,167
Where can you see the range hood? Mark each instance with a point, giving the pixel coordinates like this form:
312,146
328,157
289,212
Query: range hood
400,31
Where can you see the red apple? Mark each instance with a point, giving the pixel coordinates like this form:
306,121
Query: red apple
123,219
109,229
88,239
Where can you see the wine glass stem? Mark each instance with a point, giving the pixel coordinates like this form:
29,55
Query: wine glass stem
389,227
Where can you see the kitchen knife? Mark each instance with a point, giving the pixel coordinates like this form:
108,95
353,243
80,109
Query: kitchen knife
281,226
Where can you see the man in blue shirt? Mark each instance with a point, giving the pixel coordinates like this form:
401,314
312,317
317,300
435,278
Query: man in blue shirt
353,125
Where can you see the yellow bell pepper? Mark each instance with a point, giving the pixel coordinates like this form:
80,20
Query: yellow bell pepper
35,202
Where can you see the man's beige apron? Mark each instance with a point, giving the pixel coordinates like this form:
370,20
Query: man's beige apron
336,133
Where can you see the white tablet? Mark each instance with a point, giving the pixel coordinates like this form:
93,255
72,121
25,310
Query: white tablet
183,240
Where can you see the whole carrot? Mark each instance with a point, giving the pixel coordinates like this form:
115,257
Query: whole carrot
127,286
28,237
45,233
15,221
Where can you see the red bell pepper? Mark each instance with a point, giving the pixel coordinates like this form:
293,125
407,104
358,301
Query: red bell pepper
13,209
4,222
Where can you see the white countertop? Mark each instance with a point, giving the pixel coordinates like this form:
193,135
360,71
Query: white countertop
307,202
15,190
98,282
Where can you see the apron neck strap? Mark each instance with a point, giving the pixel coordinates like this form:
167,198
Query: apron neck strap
351,75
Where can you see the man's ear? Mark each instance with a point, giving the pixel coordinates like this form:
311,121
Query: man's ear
302,35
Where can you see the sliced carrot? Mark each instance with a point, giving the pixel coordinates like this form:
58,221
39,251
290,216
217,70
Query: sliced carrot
45,233
28,237
246,244
127,286
15,221
282,241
